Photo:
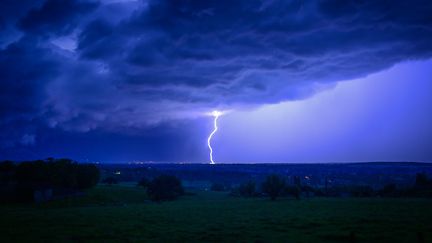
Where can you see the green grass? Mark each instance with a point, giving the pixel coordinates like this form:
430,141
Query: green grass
122,214
102,196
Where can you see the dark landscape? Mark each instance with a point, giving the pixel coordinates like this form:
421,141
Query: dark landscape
361,202
216,121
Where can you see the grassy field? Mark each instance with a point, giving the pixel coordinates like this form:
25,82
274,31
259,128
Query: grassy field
122,214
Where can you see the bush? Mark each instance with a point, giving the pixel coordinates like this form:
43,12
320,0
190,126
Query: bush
308,190
422,180
164,188
273,186
247,189
217,187
144,182
293,191
388,190
110,181
7,172
87,176
362,191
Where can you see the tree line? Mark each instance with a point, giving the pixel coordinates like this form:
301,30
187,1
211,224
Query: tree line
275,186
19,181
160,188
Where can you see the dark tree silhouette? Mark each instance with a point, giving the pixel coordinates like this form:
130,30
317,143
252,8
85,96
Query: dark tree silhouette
247,189
293,191
165,187
388,190
60,173
144,182
7,172
217,187
362,191
110,181
421,180
87,176
273,186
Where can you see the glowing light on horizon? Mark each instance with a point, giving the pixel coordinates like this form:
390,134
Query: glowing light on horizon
216,115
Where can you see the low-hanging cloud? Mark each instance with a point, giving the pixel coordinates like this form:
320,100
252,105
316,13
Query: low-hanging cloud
82,65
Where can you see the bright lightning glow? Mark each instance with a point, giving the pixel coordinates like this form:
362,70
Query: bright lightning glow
216,115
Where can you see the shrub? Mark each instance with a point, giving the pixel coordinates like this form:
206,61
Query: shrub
87,176
422,180
7,172
217,187
110,181
144,182
293,191
247,189
389,190
273,186
362,191
165,187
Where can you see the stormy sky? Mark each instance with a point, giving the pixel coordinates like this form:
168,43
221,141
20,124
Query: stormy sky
304,81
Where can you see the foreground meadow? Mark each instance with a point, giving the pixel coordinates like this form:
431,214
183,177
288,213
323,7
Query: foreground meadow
122,214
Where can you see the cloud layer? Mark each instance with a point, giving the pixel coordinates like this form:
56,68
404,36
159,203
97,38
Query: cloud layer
126,65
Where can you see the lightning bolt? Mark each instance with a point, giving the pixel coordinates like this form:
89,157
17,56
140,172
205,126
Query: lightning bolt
216,115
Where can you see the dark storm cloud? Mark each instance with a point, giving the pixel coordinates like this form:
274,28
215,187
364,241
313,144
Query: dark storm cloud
23,78
83,65
55,17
